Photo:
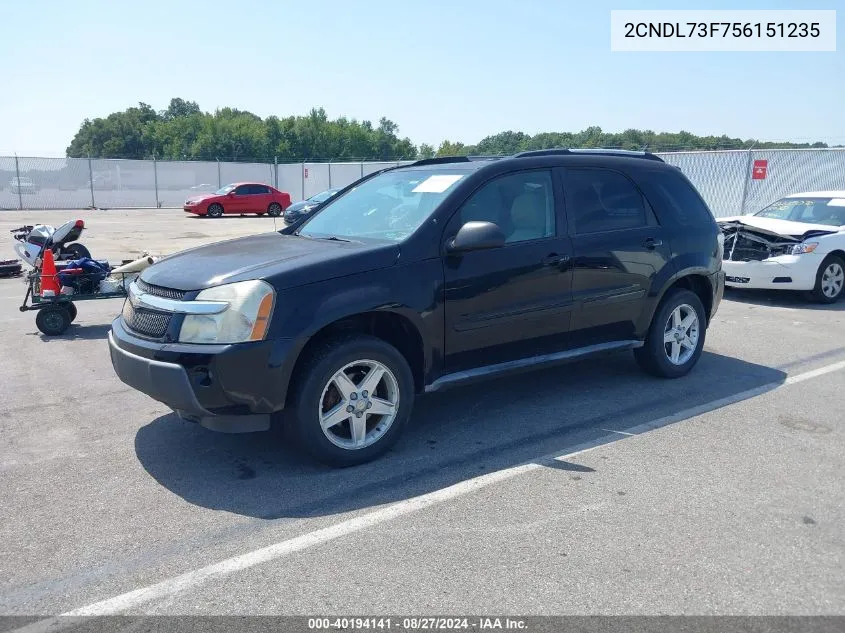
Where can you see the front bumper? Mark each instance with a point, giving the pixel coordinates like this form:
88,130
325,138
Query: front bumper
227,388
195,209
787,272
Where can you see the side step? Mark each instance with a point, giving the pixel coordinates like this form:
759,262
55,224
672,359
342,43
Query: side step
524,364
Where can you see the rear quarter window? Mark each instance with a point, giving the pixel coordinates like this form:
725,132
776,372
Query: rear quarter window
674,198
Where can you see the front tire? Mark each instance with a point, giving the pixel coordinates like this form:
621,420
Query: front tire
675,337
274,210
353,401
830,280
215,210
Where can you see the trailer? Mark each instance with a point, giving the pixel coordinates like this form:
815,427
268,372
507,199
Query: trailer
56,313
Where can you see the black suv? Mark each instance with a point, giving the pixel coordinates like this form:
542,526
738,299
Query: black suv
420,277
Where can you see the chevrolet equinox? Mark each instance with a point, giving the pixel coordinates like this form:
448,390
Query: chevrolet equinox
420,277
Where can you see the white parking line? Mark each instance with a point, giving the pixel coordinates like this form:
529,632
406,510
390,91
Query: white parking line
188,580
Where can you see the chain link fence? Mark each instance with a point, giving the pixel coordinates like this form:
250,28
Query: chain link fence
724,178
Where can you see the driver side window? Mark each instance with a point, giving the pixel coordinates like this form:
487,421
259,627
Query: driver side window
521,204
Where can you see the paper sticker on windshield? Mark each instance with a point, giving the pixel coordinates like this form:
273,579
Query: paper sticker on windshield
837,202
437,184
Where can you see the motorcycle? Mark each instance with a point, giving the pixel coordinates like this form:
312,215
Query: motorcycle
32,240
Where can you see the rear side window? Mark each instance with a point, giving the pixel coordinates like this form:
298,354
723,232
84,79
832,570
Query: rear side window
674,194
599,200
260,189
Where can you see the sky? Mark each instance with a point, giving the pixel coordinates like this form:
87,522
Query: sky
440,69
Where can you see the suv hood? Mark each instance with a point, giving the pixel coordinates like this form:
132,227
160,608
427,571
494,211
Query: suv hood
285,261
783,228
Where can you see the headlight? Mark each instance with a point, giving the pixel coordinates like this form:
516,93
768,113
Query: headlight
804,247
246,319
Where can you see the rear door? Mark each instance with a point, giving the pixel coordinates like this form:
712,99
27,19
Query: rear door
618,250
261,198
511,302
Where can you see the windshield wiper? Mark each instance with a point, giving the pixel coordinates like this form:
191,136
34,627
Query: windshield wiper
333,238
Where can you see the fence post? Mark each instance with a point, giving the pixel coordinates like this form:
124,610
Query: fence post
18,182
91,181
303,181
362,169
330,174
219,182
745,182
155,180
276,172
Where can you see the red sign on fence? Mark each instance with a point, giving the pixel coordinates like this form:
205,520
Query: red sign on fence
760,169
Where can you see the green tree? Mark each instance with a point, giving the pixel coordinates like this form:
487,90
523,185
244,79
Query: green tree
183,131
425,151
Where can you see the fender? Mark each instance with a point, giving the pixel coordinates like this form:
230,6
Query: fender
683,266
304,311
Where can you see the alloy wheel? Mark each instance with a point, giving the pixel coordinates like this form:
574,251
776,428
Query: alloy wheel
680,336
359,404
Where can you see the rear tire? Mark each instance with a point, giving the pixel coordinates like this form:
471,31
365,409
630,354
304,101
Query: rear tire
215,210
75,251
830,280
675,337
274,210
53,321
321,399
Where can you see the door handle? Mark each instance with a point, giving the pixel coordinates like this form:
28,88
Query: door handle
554,259
651,243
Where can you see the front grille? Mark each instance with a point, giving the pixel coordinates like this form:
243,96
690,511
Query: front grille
158,291
145,322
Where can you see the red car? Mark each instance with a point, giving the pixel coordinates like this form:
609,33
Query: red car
240,198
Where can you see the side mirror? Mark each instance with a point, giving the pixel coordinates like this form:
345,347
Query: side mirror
476,236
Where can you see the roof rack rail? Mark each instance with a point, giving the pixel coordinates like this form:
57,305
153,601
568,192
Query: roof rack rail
589,150
439,160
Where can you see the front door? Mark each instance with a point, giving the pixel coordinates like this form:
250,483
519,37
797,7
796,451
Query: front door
240,200
514,301
618,250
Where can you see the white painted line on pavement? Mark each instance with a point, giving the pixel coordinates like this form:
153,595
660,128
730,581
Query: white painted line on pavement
188,580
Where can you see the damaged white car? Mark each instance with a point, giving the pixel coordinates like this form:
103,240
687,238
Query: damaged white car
797,243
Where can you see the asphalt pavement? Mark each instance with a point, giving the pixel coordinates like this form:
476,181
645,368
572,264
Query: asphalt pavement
719,493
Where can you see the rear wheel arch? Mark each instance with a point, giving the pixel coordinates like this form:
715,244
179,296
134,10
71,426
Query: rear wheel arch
695,280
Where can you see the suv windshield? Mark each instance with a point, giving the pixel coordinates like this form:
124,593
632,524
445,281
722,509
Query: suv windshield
829,211
389,206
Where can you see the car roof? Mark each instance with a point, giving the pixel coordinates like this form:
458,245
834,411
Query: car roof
559,156
818,194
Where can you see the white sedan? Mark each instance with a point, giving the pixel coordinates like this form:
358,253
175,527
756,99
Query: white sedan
797,243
